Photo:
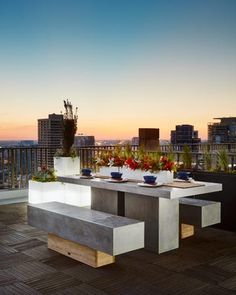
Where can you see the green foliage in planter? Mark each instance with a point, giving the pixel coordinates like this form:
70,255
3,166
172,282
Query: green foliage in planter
222,162
146,161
72,153
187,157
45,175
207,158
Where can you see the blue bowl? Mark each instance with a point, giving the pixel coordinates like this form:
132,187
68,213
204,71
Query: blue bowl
183,175
149,179
116,175
86,172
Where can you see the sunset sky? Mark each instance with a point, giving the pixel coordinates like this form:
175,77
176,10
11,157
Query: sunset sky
125,63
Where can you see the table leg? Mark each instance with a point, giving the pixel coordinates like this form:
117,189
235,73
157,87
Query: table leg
107,201
161,218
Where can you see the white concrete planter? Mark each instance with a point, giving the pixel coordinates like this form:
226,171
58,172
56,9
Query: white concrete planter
77,195
66,166
165,176
134,174
162,176
41,192
106,171
73,194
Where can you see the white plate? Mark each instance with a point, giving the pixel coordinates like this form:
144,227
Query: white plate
116,180
86,177
150,185
183,180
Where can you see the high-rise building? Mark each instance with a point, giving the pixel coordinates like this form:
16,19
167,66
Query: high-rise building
149,138
184,134
50,132
135,140
223,131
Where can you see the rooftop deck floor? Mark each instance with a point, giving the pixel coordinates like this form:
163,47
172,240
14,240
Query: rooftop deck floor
204,264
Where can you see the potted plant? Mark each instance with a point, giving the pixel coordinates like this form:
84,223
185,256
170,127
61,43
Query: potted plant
66,161
160,166
134,165
220,172
44,187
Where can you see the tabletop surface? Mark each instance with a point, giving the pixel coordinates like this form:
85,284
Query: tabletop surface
132,187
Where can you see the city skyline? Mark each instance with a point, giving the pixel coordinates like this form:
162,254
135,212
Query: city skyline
125,64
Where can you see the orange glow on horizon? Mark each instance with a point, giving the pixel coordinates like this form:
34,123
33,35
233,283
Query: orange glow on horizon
17,132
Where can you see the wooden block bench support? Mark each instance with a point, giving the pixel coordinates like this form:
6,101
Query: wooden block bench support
199,213
186,230
86,233
79,252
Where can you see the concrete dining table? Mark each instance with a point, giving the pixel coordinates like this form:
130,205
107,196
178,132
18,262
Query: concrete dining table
157,206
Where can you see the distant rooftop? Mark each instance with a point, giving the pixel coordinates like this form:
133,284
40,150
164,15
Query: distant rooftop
227,118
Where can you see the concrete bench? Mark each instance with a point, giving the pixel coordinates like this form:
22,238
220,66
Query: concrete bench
197,213
89,236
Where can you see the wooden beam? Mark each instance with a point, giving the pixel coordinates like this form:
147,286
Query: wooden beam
79,252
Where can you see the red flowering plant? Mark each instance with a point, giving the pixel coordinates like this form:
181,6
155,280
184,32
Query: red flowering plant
133,160
150,162
132,163
111,158
167,164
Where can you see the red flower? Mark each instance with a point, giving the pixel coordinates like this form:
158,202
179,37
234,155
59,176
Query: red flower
131,163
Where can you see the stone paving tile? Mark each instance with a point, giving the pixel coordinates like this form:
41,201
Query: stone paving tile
28,244
84,273
112,284
204,264
22,227
51,283
4,249
17,289
212,290
6,279
229,284
225,262
12,238
178,284
28,230
13,259
60,262
208,273
83,289
29,270
41,252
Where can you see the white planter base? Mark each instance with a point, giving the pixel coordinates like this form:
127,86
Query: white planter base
41,192
66,166
162,176
73,194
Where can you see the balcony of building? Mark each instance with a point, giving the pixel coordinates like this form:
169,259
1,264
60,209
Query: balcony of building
203,264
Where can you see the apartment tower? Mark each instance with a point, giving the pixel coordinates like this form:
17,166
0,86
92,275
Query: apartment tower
50,132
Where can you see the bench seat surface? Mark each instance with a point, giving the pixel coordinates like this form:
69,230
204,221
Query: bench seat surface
199,213
101,231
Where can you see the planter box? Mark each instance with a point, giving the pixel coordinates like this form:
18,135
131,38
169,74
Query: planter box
66,166
41,192
77,195
73,194
162,176
227,196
